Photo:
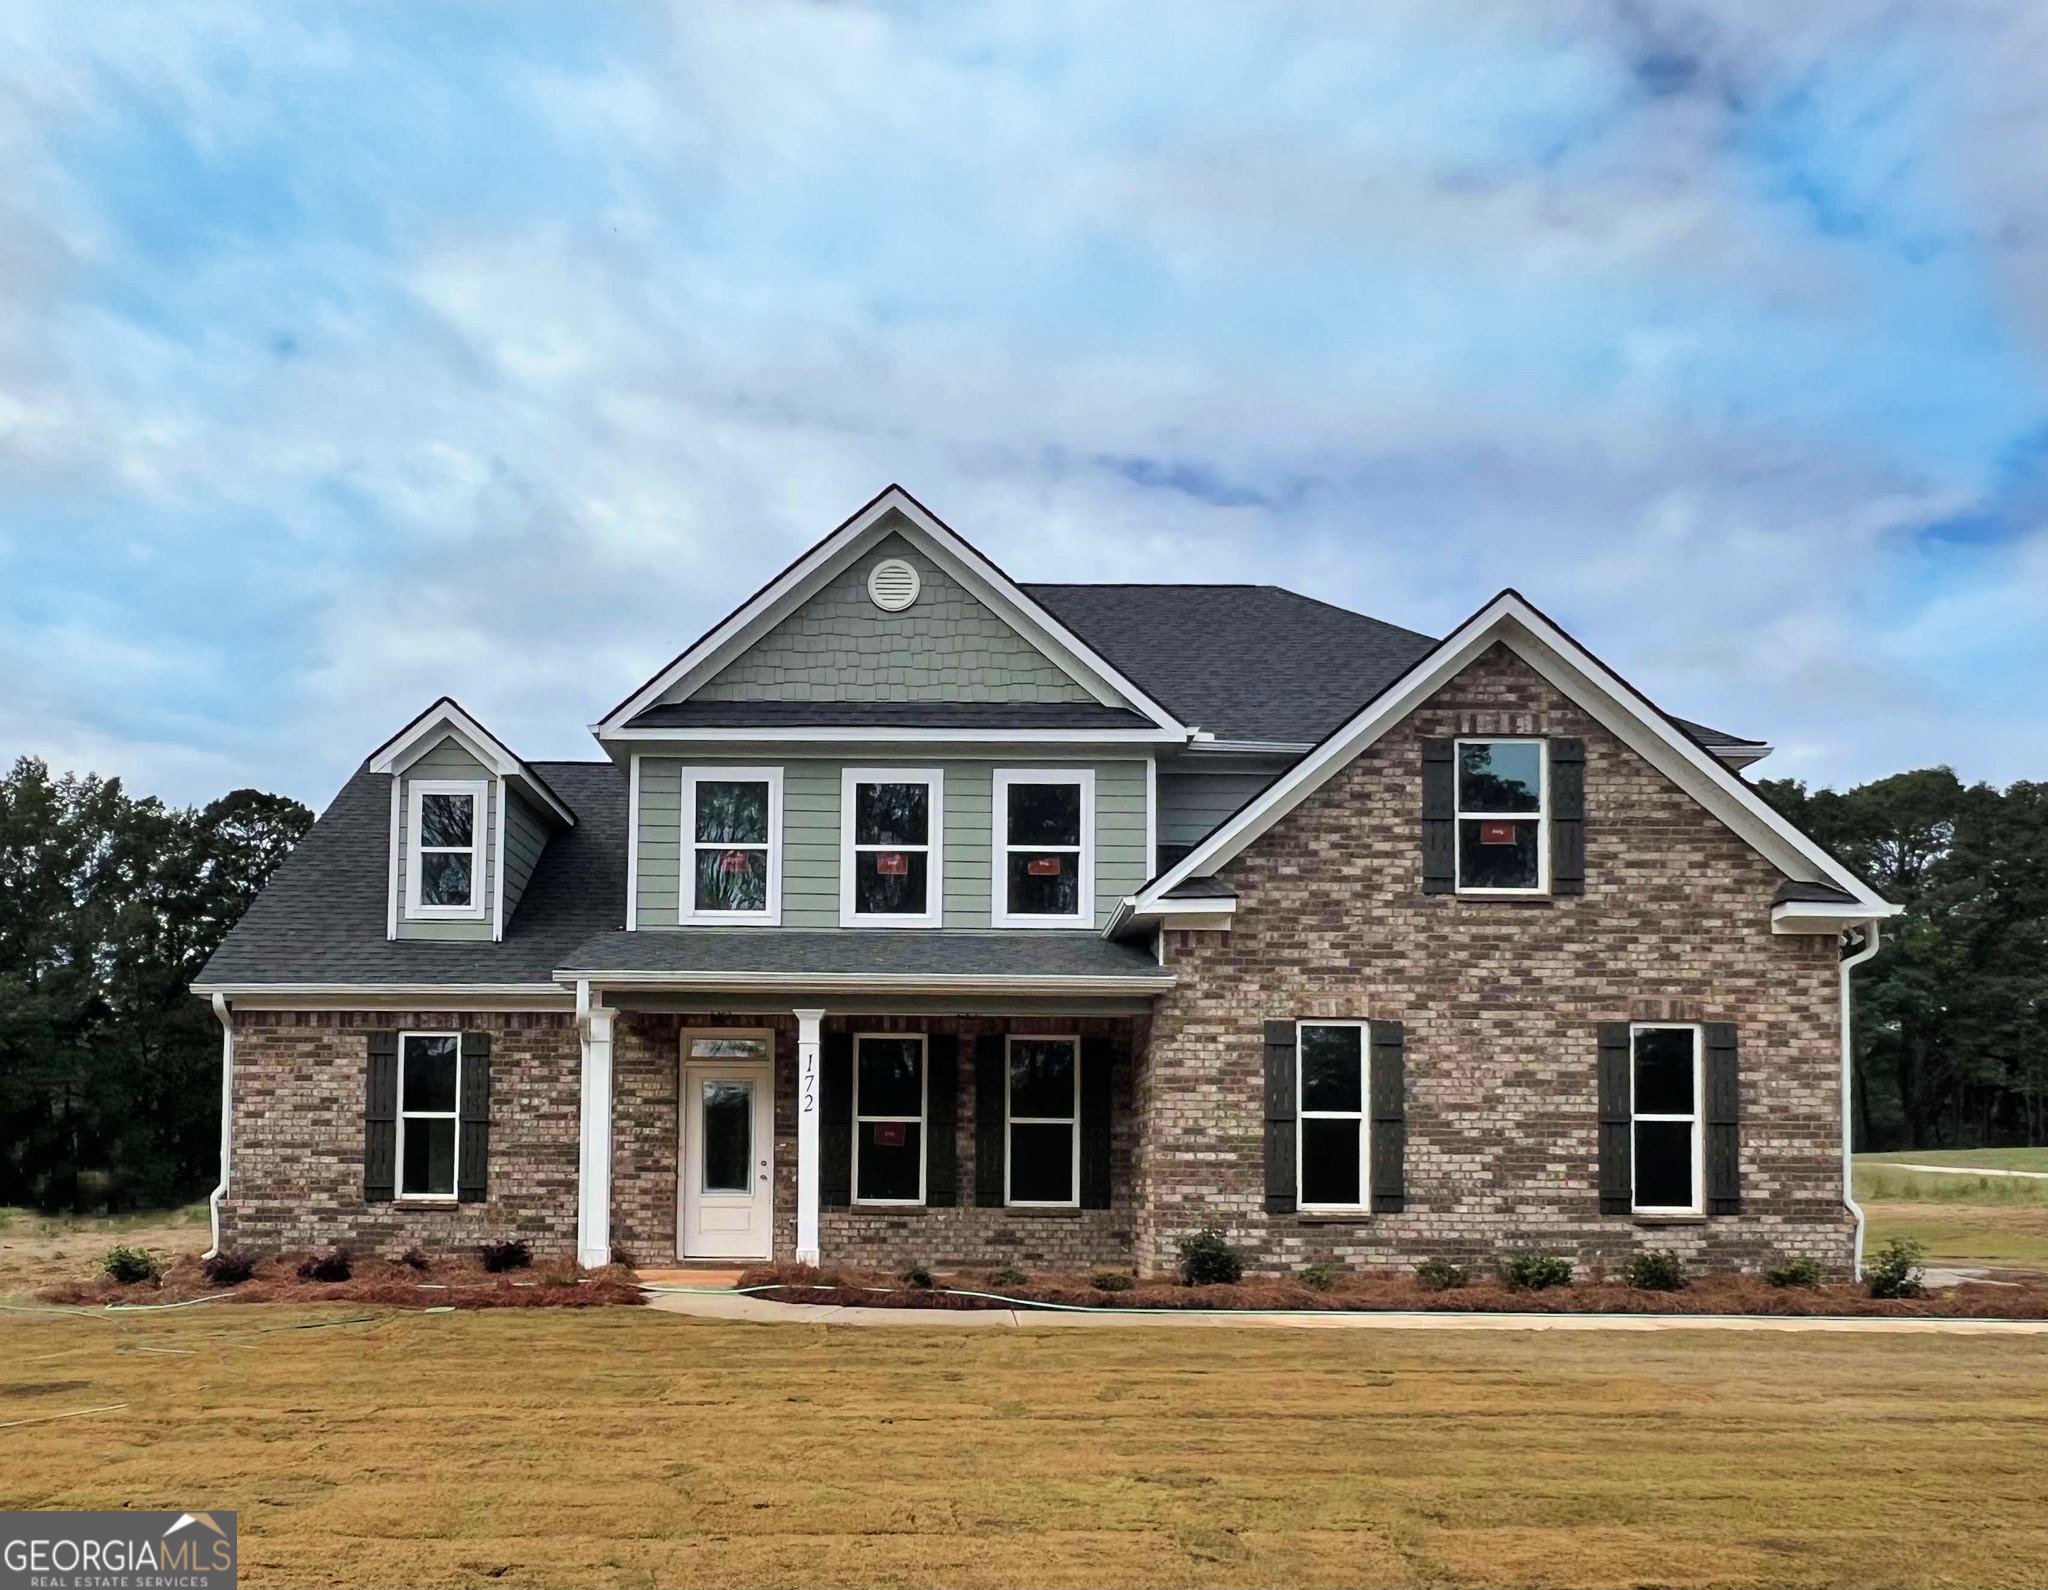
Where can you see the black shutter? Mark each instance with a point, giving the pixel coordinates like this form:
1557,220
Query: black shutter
1724,1112
1389,1075
1617,1162
990,1085
942,1120
1281,1191
474,1152
1098,1070
835,1120
380,1119
1567,816
1439,818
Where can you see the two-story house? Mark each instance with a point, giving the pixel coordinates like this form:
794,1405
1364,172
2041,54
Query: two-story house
914,914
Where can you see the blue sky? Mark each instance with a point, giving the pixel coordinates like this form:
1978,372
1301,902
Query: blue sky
352,355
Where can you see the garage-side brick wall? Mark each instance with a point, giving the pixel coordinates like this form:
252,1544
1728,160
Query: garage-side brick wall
297,1173
1500,1001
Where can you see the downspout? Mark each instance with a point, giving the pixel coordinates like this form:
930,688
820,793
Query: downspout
227,1114
1849,962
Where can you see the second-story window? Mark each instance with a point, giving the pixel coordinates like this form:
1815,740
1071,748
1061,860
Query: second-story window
733,855
445,849
1502,848
1045,849
890,866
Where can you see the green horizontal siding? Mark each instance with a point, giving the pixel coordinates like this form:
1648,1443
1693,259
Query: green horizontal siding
811,831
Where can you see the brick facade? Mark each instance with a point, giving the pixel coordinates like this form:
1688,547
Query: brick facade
1500,1001
297,1177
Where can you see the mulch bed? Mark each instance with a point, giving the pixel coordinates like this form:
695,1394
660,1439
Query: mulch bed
1710,1294
456,1283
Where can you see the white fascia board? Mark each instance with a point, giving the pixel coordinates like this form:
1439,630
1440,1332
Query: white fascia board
1591,684
803,579
446,716
345,996
873,734
853,982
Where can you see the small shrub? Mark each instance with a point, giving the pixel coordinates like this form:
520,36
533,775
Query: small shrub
1319,1277
414,1259
1536,1272
499,1257
1207,1260
130,1266
1441,1275
1009,1277
333,1265
1897,1270
1654,1270
917,1276
1110,1281
1796,1272
231,1268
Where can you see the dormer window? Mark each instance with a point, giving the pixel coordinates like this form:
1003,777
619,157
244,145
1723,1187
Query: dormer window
444,852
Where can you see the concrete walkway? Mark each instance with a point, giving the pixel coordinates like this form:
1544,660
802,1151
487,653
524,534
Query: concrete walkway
1959,1170
736,1306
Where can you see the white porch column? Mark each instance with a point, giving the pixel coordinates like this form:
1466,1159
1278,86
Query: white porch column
807,1135
594,1159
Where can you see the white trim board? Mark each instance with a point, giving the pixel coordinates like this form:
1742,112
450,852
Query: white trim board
446,716
796,584
1617,706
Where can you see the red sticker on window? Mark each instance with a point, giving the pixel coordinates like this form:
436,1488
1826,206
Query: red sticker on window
734,861
889,1134
892,864
1043,866
1497,833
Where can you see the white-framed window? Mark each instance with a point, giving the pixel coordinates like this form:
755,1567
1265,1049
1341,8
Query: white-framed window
445,822
1333,1084
889,1081
1044,873
1042,1114
429,1113
1666,1139
732,846
1503,835
891,853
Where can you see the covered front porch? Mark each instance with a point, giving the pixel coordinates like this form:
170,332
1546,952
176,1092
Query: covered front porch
875,1119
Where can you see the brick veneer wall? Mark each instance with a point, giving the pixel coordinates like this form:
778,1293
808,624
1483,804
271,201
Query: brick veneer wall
297,1174
645,1105
1500,1001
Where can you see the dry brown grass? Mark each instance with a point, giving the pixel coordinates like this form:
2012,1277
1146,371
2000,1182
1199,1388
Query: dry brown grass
623,1447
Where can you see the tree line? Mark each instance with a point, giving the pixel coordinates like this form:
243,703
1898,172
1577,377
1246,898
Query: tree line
110,904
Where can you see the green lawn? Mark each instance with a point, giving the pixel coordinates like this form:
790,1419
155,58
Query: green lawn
2000,1221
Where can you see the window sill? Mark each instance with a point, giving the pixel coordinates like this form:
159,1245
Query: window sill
417,1202
1334,1217
1669,1220
1525,901
1038,1212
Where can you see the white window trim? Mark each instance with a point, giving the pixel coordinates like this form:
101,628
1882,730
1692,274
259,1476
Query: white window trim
687,913
402,1115
478,791
1697,1119
1073,1041
1540,816
1000,914
1363,1115
922,1118
934,781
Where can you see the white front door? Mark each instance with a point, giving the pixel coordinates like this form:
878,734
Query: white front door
728,1149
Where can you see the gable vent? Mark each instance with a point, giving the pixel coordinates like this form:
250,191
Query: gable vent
892,585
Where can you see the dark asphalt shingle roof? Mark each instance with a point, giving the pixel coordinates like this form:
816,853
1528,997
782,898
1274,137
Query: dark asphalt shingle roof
1793,891
1252,662
864,951
890,714
1202,889
322,918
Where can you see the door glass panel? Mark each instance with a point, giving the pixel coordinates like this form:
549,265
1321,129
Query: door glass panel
728,1136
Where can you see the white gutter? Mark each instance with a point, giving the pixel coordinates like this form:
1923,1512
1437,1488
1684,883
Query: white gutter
227,1115
855,982
1849,962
